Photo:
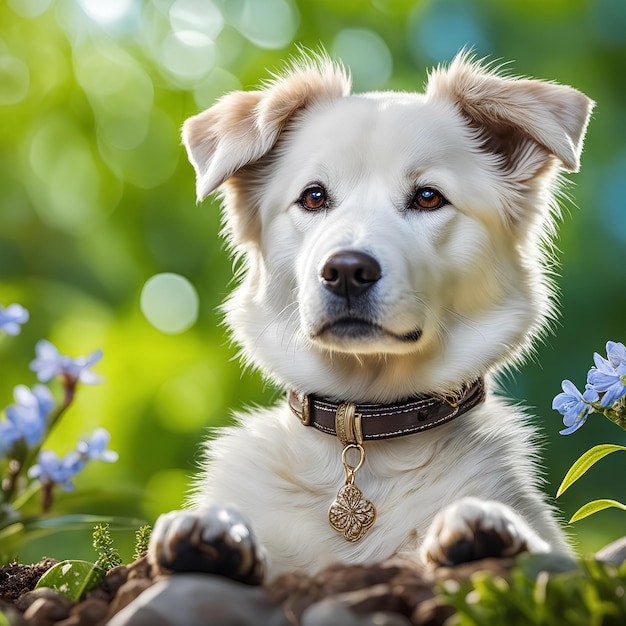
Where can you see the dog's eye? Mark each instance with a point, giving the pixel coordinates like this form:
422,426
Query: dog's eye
427,199
313,198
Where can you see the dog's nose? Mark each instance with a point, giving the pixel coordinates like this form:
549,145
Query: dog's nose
350,273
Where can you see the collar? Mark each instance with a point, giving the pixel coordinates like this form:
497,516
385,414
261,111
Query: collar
385,421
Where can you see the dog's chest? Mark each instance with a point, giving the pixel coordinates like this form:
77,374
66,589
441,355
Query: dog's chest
284,478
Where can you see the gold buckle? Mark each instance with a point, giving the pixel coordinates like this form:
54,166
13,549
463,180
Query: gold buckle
305,418
348,424
452,400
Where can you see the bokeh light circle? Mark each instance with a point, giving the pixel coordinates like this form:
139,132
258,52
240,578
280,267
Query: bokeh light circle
268,24
14,80
169,302
106,12
367,56
440,30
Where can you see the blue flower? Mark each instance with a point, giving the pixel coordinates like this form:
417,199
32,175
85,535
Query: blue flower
94,449
50,363
11,317
573,406
9,434
52,469
608,377
27,418
616,353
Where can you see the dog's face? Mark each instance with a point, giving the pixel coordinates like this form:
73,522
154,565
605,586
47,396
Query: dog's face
391,241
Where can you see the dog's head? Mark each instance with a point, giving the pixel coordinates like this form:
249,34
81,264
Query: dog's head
392,242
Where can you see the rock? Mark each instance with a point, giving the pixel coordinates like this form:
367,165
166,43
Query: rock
140,569
200,600
12,615
128,592
45,611
331,612
90,612
614,553
115,578
26,600
393,587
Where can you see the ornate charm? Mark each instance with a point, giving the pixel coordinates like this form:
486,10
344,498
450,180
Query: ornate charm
351,513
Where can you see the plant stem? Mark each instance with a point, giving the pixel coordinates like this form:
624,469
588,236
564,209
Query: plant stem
23,456
617,417
46,500
16,463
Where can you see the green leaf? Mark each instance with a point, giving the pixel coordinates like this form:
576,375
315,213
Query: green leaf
552,562
28,529
73,521
72,579
583,463
593,507
33,489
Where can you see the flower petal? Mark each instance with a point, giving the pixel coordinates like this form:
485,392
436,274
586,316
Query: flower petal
570,389
616,353
575,426
601,381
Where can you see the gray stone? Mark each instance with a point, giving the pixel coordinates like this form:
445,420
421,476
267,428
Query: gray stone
332,612
24,602
614,553
200,600
46,610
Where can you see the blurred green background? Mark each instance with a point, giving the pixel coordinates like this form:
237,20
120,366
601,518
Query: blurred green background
97,201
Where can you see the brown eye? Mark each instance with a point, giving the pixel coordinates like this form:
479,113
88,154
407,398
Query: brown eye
427,199
313,198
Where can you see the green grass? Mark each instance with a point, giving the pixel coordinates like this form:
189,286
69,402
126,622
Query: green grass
541,590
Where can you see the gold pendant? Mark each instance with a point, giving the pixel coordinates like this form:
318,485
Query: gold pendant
351,513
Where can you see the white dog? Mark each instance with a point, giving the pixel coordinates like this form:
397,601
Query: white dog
393,248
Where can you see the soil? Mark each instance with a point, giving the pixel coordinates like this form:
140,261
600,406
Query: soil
24,605
391,586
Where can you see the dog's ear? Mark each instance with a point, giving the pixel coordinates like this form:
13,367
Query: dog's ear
510,111
243,126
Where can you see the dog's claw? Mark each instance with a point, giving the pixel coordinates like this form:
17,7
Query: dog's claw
216,540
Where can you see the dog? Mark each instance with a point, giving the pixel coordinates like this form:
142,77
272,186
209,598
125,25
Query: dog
393,249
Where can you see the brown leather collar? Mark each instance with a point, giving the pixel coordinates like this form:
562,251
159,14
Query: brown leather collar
385,421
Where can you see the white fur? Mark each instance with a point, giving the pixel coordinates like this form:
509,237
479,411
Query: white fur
469,276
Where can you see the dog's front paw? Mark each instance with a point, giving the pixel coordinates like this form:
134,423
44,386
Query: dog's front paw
215,540
472,529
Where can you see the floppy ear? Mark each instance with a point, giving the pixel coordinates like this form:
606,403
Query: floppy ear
244,126
511,110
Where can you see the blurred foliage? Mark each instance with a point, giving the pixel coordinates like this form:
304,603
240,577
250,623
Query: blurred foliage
96,198
540,594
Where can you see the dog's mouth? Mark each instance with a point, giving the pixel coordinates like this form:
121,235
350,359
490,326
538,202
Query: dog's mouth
351,328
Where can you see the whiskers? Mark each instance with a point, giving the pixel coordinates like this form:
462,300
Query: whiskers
464,320
286,331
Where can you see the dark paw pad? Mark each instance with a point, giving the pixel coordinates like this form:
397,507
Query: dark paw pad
472,529
214,541
482,545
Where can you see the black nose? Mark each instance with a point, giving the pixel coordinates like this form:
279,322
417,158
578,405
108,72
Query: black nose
349,273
